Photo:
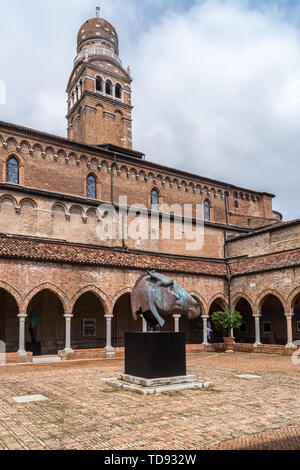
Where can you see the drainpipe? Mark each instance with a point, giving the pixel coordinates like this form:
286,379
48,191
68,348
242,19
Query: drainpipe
112,180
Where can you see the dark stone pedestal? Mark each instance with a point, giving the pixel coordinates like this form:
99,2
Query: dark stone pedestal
35,348
155,355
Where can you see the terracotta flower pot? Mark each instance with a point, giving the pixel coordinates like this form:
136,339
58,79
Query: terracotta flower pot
229,342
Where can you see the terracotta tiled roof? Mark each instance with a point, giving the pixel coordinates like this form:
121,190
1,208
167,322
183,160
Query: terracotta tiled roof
282,260
19,248
269,228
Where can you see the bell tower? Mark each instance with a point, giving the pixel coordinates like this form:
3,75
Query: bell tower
99,89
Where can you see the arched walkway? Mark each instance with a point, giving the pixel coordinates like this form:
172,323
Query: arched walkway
45,325
296,318
216,336
273,321
123,320
246,333
9,322
193,329
88,329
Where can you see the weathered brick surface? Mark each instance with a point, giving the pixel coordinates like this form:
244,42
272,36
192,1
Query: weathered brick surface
83,413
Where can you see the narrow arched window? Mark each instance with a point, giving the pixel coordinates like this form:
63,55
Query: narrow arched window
207,210
12,175
91,187
118,91
108,87
99,84
154,200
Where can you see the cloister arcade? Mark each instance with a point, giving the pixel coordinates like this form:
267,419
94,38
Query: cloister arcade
90,321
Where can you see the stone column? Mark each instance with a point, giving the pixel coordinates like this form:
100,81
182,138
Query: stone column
289,318
205,340
68,348
176,322
257,331
22,319
109,349
145,326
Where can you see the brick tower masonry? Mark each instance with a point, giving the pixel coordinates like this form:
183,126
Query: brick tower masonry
99,89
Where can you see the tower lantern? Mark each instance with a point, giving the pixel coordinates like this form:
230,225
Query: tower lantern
99,88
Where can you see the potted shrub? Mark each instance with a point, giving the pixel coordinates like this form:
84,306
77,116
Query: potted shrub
225,321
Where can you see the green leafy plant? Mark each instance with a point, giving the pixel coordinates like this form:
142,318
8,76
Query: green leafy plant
227,320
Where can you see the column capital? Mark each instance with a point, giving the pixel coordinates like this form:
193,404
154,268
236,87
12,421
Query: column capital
68,315
257,315
289,314
108,316
176,316
22,315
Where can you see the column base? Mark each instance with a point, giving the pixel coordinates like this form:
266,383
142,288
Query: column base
22,353
110,352
291,346
68,351
256,345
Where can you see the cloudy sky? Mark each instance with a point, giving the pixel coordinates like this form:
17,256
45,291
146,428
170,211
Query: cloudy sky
216,82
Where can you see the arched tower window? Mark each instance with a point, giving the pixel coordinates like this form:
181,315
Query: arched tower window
118,91
99,84
207,210
154,200
12,171
91,187
108,87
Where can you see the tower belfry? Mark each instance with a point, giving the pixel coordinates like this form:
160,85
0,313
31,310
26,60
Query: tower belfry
99,89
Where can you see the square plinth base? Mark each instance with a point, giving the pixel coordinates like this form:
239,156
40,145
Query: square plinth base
163,385
155,355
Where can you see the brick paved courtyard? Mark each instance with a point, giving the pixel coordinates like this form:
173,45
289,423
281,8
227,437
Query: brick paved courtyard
83,413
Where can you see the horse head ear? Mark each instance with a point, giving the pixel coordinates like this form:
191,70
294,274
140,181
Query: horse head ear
162,280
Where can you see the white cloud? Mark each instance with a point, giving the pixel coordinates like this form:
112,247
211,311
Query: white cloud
217,93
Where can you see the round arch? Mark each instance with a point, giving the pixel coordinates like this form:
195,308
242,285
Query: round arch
52,288
217,302
290,304
200,300
240,296
246,332
123,321
9,322
273,324
115,298
95,290
45,325
261,298
14,293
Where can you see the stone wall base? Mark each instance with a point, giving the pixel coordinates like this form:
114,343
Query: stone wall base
264,349
14,358
90,354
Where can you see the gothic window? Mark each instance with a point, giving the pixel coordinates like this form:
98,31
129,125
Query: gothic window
236,204
99,84
13,171
154,200
207,210
118,91
91,187
108,87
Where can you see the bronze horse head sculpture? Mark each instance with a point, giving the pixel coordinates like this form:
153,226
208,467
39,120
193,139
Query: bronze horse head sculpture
155,296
